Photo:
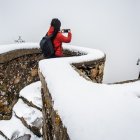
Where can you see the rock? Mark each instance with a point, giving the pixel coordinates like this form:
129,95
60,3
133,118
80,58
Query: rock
29,79
34,72
38,123
5,110
101,68
23,66
36,131
5,113
94,73
98,79
3,87
25,137
16,136
17,80
57,119
29,116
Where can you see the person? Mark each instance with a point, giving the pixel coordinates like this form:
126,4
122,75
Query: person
58,38
138,63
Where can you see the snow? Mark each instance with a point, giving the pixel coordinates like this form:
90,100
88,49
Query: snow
92,53
32,93
8,127
2,138
30,114
10,47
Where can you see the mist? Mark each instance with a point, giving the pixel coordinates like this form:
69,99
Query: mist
112,26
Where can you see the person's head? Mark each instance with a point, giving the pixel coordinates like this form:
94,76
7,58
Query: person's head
56,24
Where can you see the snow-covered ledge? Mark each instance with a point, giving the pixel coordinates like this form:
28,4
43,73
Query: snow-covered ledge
62,77
12,51
88,110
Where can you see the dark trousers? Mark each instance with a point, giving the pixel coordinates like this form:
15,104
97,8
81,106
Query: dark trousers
53,56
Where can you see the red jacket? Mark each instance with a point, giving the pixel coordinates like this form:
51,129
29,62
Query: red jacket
57,42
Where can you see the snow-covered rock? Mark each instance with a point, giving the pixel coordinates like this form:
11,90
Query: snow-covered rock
32,93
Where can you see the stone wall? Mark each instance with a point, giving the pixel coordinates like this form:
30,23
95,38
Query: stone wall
19,68
53,128
92,70
6,57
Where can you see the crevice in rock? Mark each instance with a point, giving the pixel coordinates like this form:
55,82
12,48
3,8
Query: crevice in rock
29,103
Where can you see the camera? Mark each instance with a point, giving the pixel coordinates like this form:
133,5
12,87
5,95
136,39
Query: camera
138,61
65,30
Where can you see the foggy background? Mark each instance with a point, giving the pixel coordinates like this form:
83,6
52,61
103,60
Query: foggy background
113,26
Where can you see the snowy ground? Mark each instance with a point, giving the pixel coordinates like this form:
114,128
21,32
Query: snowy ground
89,110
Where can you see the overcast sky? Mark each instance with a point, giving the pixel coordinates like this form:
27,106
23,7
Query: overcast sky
112,26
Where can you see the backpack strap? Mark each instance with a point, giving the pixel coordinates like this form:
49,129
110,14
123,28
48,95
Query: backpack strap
49,35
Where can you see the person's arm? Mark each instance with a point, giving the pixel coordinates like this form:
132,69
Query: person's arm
65,39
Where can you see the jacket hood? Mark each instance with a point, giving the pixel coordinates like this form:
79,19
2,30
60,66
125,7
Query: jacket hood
51,30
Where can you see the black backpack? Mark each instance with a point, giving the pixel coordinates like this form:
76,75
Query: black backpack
46,46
